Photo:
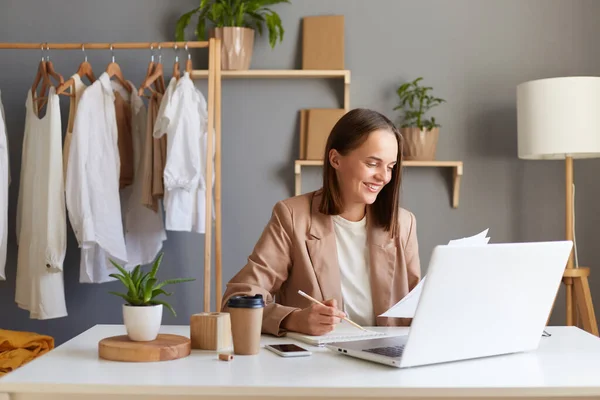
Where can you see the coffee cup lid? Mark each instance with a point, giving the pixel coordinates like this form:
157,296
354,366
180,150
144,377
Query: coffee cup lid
255,301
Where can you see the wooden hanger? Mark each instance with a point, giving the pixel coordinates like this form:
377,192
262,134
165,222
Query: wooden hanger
156,77
149,71
114,70
40,76
45,70
53,73
84,70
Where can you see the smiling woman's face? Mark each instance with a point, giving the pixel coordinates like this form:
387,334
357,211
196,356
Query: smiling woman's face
364,171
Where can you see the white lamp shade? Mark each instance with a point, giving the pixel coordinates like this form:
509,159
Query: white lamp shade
559,117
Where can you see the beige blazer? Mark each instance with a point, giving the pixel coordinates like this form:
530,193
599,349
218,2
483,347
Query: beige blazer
297,251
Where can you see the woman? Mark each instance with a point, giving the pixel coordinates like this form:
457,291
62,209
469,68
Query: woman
348,244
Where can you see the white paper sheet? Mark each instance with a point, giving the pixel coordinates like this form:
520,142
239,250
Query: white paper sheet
407,307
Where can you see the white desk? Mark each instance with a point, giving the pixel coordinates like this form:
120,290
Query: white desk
566,365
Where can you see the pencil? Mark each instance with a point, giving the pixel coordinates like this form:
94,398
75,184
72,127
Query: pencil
318,302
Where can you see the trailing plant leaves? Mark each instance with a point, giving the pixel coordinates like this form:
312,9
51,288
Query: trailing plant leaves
182,23
258,21
200,31
275,27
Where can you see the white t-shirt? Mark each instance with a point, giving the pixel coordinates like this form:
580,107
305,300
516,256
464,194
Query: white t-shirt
353,259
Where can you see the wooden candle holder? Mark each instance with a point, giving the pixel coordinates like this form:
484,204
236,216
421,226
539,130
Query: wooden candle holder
210,331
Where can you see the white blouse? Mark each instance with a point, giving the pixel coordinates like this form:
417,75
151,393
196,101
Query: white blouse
183,117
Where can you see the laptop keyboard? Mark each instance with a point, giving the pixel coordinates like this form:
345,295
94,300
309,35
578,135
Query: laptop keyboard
389,351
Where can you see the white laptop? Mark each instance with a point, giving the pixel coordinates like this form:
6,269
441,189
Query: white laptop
477,301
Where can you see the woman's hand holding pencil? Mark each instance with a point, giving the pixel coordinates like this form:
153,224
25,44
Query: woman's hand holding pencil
318,319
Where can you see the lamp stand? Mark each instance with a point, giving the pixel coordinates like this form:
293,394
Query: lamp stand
578,294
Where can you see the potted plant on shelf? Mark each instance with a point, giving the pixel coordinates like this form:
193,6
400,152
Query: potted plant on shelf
142,312
420,133
234,23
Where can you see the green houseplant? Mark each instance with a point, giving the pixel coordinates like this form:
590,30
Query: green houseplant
142,311
419,131
235,22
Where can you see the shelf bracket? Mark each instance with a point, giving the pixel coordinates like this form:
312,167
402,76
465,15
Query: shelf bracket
457,175
298,178
347,91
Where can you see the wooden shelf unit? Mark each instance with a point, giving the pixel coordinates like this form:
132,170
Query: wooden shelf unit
457,172
285,74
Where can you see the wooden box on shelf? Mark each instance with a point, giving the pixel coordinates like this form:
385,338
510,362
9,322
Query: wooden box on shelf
323,42
315,126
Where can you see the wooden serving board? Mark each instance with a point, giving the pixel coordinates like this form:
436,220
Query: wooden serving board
164,347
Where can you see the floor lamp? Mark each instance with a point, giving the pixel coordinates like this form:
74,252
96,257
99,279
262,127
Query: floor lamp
559,119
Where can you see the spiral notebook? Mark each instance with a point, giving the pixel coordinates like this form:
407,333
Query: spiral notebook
342,333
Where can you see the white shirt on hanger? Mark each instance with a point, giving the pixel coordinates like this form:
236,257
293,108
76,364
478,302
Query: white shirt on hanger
92,188
144,228
41,216
183,117
4,184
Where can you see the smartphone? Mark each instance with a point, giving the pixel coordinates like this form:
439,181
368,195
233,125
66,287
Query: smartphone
288,350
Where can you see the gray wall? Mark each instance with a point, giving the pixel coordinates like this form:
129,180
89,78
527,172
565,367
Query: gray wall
473,53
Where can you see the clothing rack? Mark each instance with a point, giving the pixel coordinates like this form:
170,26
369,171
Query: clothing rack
214,125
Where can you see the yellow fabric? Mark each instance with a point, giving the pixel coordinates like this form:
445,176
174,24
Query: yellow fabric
18,348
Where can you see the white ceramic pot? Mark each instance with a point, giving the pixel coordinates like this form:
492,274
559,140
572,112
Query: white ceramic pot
142,323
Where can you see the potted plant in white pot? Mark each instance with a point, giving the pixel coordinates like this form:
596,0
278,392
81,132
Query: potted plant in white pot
419,132
142,312
235,22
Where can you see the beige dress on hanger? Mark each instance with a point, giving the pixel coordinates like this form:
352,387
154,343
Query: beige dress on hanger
125,143
144,228
154,158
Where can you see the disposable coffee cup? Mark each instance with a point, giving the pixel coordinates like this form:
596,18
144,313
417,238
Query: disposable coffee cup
246,314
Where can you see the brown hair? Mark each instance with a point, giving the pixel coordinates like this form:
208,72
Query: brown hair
349,133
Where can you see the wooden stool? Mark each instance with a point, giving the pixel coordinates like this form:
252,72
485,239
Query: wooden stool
579,298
